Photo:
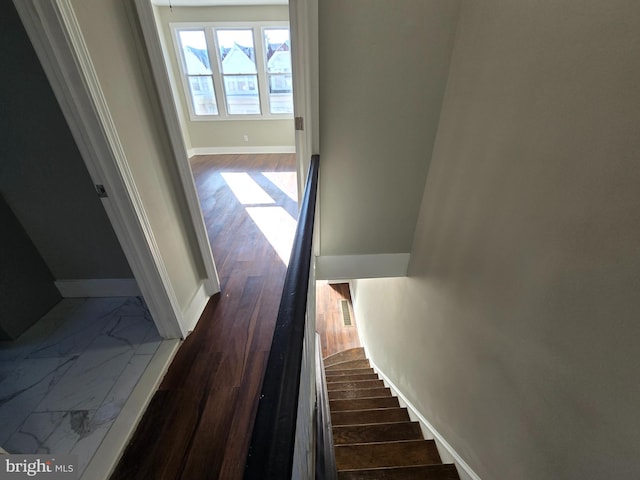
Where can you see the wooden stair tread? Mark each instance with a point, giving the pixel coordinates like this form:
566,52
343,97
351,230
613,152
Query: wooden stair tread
420,472
363,403
331,374
376,432
355,385
352,378
363,417
362,393
349,364
345,355
388,454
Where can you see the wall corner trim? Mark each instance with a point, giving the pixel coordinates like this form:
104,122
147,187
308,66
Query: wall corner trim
347,267
447,452
193,311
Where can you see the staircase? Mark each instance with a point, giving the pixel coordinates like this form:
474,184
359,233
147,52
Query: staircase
373,437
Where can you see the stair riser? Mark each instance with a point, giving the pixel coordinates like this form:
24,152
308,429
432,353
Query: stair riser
347,355
363,393
355,385
349,365
352,378
362,417
383,432
363,404
333,374
423,472
393,454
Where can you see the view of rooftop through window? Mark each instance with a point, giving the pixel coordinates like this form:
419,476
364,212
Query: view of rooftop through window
276,41
198,69
251,80
239,71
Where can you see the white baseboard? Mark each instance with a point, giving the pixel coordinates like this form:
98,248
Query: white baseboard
347,267
112,447
239,150
195,308
446,451
98,287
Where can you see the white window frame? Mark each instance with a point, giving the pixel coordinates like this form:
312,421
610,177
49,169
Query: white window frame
216,68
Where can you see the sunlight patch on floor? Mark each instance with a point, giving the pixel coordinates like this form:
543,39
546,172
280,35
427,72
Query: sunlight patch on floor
285,181
246,189
277,226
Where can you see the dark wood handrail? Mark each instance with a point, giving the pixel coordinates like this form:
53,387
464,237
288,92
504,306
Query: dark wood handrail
271,449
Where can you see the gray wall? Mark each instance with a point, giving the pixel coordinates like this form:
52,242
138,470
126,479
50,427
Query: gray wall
27,291
516,333
383,68
42,175
229,133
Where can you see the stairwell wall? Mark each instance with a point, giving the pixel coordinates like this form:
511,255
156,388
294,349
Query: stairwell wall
383,68
515,333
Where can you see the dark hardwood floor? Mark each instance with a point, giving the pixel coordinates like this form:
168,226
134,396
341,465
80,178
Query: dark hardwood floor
335,336
199,422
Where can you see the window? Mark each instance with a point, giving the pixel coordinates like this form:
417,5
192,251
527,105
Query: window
278,68
197,69
235,71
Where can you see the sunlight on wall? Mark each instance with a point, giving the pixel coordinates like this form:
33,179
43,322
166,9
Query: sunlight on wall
245,188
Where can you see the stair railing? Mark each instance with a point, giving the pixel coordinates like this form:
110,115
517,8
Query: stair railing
325,454
282,442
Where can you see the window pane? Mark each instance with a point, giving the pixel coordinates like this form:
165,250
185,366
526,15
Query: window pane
202,96
242,94
280,93
194,51
278,58
237,54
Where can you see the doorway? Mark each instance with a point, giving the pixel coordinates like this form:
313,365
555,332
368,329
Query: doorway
226,86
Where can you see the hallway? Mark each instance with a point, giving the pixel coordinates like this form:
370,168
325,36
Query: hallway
199,422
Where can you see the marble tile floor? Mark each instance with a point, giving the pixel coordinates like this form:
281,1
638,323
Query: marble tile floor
64,381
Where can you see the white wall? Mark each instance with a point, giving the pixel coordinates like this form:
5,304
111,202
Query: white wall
383,68
224,135
114,42
516,332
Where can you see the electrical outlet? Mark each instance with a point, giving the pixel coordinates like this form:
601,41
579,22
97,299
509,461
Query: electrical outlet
246,138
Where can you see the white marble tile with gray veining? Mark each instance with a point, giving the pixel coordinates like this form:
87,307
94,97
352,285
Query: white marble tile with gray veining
64,382
89,320
24,388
